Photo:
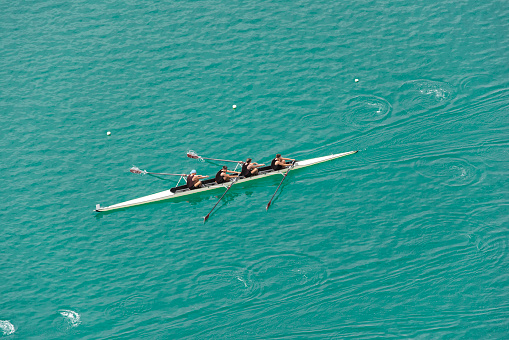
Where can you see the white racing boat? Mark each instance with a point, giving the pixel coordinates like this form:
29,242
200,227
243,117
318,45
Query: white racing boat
211,184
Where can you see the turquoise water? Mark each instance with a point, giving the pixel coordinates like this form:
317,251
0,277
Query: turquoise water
406,239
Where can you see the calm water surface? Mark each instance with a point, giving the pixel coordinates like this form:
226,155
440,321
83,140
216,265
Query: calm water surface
406,239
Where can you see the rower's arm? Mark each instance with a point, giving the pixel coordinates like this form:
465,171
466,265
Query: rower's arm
284,164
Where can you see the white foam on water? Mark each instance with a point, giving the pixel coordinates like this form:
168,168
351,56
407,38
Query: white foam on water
438,92
72,317
7,327
241,280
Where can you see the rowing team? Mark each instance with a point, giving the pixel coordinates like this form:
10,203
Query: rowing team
249,169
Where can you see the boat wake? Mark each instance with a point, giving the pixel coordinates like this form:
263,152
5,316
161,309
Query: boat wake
7,327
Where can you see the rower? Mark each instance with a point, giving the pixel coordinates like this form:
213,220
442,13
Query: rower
279,162
193,180
250,168
222,175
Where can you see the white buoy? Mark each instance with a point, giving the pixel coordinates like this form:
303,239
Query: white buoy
234,106
108,133
356,80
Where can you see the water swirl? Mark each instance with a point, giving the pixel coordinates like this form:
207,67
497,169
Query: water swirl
67,322
449,171
423,94
474,81
72,317
366,111
286,274
219,286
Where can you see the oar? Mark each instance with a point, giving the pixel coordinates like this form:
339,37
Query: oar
136,170
208,215
268,205
192,154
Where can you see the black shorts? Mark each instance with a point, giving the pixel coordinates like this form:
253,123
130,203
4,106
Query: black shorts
193,187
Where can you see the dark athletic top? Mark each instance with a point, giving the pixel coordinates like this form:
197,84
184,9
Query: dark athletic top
219,177
190,182
274,166
245,171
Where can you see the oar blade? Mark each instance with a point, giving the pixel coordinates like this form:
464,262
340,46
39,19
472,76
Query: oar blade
192,154
268,205
135,170
206,218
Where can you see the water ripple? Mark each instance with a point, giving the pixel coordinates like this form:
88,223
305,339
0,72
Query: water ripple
286,274
132,305
466,238
494,152
220,285
366,111
449,171
407,236
423,94
490,242
474,82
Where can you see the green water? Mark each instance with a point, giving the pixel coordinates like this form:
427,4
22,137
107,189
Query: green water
406,239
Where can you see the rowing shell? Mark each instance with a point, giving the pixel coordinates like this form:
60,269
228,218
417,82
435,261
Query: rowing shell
211,184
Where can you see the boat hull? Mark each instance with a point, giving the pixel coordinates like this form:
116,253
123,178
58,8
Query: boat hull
169,194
